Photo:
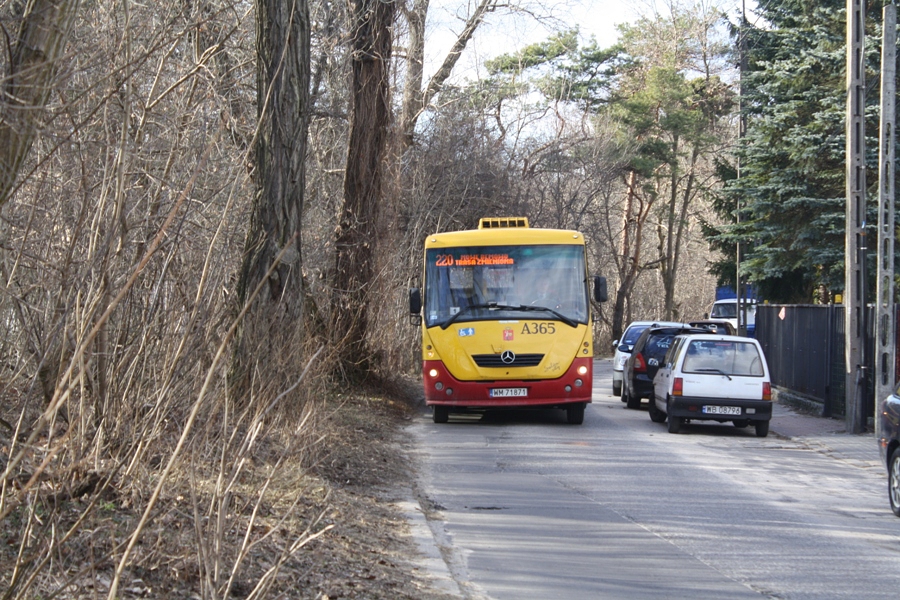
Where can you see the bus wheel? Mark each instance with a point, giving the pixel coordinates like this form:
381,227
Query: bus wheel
575,414
440,414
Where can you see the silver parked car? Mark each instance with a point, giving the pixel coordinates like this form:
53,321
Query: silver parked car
624,346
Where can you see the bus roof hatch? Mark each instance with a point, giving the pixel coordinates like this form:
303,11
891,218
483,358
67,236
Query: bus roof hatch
503,222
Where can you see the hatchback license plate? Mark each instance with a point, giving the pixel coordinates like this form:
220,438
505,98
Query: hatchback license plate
509,392
722,410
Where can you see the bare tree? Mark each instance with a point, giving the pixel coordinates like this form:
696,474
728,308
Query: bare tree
272,253
39,44
415,99
356,235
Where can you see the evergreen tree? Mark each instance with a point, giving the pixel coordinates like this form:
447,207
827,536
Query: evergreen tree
790,185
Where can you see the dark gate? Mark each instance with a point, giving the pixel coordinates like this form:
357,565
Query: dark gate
804,346
798,342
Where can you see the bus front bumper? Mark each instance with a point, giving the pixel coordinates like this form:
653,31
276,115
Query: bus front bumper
443,389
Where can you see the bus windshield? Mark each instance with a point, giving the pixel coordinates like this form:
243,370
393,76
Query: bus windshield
505,282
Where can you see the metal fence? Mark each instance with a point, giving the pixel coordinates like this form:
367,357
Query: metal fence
804,346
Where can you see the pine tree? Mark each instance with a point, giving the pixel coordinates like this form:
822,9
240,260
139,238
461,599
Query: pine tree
790,185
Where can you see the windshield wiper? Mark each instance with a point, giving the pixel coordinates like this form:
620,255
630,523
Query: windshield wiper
719,371
521,307
465,309
528,307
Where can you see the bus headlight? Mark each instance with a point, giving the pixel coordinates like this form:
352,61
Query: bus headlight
582,370
439,386
433,373
568,388
578,383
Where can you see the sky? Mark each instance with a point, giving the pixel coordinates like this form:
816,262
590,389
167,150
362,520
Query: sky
502,33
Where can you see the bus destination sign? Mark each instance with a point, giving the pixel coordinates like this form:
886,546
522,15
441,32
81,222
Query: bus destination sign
472,260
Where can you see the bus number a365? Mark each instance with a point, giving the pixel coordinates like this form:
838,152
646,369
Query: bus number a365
539,329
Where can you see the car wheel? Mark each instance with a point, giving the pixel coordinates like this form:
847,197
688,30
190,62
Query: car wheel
894,481
575,414
617,388
656,415
440,414
741,423
633,402
674,422
626,397
762,428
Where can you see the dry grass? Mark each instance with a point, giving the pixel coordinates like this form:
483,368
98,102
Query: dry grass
298,517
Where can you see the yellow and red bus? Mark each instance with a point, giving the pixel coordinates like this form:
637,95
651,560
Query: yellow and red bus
506,319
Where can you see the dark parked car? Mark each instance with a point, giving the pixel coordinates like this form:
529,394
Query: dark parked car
623,348
889,443
720,326
646,356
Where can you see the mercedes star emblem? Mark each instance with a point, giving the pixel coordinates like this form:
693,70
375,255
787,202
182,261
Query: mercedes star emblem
508,357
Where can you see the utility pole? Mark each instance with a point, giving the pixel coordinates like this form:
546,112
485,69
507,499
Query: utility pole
855,240
885,326
742,131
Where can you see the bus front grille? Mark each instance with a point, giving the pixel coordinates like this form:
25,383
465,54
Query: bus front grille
495,360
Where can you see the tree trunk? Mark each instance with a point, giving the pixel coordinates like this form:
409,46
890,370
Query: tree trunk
355,237
677,218
667,238
629,266
283,50
415,58
40,42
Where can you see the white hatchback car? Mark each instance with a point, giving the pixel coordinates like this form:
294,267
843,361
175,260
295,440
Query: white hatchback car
713,377
626,344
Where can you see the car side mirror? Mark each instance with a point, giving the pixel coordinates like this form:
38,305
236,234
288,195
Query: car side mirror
415,306
615,343
600,291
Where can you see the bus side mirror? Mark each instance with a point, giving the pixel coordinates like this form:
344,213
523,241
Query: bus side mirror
600,293
415,306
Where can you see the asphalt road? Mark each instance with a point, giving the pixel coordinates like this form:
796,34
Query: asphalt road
522,505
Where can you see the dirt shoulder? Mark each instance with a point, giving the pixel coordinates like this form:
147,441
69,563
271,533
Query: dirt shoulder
321,521
371,552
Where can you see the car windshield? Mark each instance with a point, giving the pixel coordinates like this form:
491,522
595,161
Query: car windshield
727,310
506,282
633,333
727,357
657,345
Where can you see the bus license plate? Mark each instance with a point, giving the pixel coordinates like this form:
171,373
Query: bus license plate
722,410
509,392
